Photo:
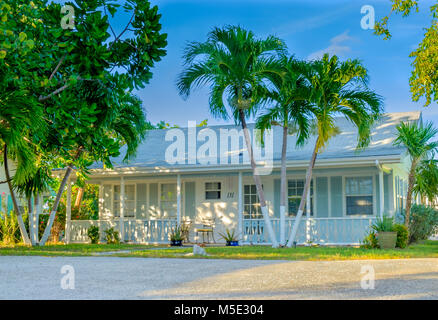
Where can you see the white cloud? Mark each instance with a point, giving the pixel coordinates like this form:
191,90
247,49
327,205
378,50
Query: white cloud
337,46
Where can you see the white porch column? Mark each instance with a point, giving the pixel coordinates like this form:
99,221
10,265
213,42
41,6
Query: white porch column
178,199
68,213
122,209
308,217
240,208
381,191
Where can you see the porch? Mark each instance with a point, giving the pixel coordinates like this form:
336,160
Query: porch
146,209
323,231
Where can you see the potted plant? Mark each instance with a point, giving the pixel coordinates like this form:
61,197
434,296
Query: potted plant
385,232
230,238
176,236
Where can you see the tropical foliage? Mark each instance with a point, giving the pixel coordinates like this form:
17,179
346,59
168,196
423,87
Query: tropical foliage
423,81
416,138
76,83
423,222
236,66
290,110
337,89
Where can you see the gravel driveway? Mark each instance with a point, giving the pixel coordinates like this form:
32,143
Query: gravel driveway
140,278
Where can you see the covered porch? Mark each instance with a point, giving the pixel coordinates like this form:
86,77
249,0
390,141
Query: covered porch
145,209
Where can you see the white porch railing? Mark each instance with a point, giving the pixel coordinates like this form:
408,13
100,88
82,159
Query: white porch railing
313,230
139,231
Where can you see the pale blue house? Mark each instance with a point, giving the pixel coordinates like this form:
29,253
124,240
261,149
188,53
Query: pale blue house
195,174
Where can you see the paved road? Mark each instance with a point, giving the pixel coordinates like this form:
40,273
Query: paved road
139,278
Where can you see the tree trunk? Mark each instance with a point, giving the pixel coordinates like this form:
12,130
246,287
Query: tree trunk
55,206
411,181
33,231
258,183
303,197
29,215
79,198
283,189
21,225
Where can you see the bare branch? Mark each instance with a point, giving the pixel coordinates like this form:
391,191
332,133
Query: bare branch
57,67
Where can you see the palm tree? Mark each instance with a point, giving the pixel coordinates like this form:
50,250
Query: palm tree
291,112
20,122
416,138
236,65
426,180
337,88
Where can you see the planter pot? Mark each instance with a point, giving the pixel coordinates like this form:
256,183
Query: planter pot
232,243
387,240
176,243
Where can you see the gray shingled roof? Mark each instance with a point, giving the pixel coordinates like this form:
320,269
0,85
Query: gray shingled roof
152,152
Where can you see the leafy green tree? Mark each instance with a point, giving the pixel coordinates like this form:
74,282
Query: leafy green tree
236,65
423,81
337,88
291,111
416,138
83,79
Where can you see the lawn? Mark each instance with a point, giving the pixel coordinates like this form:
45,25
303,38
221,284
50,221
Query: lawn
427,249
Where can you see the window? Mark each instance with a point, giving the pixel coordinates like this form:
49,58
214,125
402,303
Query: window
212,190
116,201
168,200
400,193
295,189
251,203
359,195
129,210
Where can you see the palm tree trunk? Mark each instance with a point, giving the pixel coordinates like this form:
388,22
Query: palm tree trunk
283,188
303,197
258,183
55,206
411,181
33,230
29,215
21,225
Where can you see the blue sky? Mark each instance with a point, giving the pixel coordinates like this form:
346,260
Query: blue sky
308,28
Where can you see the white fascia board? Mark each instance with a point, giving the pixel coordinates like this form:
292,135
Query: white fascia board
301,164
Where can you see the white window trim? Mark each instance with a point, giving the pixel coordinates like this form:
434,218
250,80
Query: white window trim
344,196
221,190
297,177
135,201
159,198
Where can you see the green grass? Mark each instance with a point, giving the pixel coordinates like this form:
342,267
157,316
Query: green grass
66,249
427,249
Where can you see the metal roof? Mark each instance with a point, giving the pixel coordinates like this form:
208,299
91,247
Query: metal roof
151,153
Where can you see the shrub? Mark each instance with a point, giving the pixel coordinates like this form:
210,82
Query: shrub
112,236
93,234
176,234
423,222
370,241
9,228
229,236
384,224
402,236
